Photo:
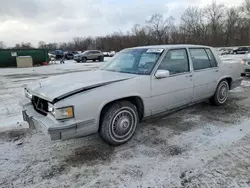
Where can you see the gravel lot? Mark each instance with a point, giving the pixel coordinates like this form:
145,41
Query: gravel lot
200,146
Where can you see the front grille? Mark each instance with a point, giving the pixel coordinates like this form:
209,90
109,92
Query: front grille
247,70
40,105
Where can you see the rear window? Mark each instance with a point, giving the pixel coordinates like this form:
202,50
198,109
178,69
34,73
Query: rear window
200,59
211,58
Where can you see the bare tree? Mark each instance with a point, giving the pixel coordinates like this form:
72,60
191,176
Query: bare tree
158,27
2,46
246,9
193,25
215,15
140,35
23,45
231,25
42,44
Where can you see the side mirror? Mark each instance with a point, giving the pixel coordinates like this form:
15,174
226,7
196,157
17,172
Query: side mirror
162,74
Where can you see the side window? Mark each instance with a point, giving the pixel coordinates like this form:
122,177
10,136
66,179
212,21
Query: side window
211,58
176,61
200,59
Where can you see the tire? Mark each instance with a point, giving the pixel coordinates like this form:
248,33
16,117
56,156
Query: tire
118,123
221,94
84,59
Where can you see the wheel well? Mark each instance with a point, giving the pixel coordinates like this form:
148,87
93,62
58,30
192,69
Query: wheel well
229,81
135,100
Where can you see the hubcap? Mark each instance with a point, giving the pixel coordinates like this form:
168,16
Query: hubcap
223,93
122,124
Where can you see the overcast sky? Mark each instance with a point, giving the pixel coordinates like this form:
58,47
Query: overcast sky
61,20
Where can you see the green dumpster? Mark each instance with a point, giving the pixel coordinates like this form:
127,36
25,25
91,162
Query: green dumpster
8,56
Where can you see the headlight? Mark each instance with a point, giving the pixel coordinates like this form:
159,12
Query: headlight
62,113
243,62
27,93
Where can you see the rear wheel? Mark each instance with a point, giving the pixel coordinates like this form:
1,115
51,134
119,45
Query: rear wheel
221,95
119,122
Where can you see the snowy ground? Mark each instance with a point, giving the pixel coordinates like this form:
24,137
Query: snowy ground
201,146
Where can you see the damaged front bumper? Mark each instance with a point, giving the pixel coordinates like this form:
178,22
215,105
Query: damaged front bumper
57,129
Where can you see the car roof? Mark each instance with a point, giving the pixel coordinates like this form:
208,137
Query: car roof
173,46
92,51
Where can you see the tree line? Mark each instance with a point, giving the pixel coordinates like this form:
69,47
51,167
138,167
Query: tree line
214,25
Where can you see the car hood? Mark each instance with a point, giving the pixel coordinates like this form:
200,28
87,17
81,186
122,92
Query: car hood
57,88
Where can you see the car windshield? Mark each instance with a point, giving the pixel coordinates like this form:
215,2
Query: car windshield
134,61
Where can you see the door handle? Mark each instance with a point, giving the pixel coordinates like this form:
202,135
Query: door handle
216,71
189,76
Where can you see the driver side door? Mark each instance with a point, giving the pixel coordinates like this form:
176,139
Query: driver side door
177,89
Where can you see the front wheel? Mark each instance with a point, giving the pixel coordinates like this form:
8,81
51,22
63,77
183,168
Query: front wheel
221,95
119,122
84,59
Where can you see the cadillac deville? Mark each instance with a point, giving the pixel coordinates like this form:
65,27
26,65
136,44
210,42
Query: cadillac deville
136,83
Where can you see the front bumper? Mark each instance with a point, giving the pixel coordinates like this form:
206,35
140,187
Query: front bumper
57,129
77,58
246,68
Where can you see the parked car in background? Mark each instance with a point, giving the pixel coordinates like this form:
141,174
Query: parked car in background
241,50
89,55
111,53
226,52
51,55
106,54
246,65
137,83
69,55
59,54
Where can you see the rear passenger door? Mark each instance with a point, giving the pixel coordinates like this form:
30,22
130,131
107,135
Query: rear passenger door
206,72
96,55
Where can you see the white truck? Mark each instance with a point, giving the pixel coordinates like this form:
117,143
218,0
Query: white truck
137,83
